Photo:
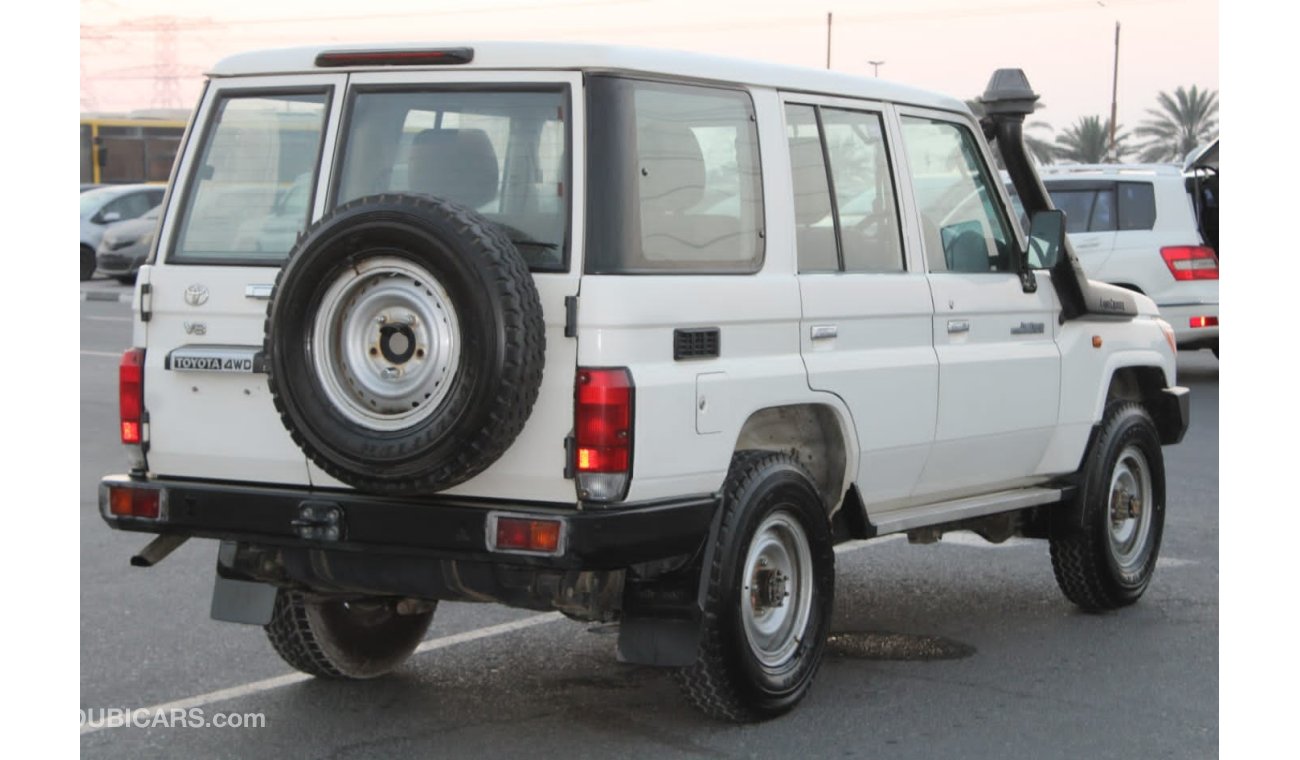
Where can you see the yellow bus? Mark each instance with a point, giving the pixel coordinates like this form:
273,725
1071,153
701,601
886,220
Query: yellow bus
128,149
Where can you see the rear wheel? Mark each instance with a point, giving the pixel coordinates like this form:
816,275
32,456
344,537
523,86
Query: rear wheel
1106,559
87,263
355,639
771,586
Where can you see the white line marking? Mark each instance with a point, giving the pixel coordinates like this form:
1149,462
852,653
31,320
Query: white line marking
110,319
1171,562
268,684
101,354
963,538
862,543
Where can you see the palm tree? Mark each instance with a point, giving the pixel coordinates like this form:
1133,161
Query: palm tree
1183,121
1040,149
1088,142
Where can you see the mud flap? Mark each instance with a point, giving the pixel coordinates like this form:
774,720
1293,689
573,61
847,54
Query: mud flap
239,601
664,642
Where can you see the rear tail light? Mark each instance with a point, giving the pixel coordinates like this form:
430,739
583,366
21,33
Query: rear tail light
1203,322
129,500
525,535
603,433
1191,262
130,393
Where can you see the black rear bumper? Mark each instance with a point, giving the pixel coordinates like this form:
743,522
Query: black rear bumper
433,527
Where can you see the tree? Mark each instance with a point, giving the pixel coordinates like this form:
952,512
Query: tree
1040,149
1088,142
1184,120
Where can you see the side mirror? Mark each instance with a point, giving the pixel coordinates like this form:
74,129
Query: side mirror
1046,238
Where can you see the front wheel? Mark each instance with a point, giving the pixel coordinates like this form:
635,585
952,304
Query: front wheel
1106,560
355,639
771,586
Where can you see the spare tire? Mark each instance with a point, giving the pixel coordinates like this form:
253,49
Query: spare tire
404,343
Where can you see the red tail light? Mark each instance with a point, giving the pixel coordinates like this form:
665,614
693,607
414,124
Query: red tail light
126,501
522,534
1191,262
603,432
1203,322
130,395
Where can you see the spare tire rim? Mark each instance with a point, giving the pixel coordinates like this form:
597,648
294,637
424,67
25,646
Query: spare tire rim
385,343
776,590
1130,508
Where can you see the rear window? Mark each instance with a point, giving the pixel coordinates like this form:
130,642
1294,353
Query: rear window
249,193
1137,205
502,153
674,179
1086,209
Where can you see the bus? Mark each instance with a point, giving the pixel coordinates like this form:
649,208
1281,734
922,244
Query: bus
128,149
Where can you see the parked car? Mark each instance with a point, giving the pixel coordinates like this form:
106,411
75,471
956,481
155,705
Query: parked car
125,245
105,205
89,186
551,326
1152,229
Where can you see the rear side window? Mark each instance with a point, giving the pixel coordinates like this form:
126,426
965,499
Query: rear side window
258,150
1137,206
503,153
1086,209
674,179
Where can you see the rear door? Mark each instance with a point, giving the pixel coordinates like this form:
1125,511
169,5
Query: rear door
865,334
210,413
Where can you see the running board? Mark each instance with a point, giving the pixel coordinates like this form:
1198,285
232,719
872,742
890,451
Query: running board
964,509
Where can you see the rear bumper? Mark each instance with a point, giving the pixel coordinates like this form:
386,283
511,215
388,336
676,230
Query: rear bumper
1180,316
427,528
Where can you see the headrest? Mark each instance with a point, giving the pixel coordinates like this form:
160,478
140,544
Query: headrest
812,201
457,164
672,167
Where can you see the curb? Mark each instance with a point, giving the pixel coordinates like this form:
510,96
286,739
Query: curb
104,295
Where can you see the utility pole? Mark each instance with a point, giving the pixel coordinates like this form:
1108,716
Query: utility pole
875,67
828,40
1114,97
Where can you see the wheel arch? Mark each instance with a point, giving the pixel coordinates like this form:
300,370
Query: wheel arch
820,435
1144,384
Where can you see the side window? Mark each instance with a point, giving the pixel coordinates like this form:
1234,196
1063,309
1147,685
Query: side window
700,194
1137,206
963,227
1104,218
813,218
846,218
864,192
1077,205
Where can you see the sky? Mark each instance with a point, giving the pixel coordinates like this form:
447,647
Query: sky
1065,46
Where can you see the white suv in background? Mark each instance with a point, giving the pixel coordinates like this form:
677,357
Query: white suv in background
1138,226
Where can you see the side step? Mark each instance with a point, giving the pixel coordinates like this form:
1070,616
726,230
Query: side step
964,509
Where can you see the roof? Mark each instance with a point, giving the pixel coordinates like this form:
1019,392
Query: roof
588,57
1086,171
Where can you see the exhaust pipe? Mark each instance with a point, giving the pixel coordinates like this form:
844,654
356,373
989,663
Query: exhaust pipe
157,550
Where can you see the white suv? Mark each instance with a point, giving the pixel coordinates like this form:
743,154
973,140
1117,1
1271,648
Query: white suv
584,329
1138,226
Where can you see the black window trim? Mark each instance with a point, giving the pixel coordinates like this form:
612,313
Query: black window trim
563,87
181,222
668,80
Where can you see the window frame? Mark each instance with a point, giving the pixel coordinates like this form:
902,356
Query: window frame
596,189
871,108
1002,204
426,86
177,216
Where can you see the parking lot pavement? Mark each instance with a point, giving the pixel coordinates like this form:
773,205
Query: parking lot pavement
106,289
960,648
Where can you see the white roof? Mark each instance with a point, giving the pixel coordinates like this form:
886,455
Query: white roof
588,57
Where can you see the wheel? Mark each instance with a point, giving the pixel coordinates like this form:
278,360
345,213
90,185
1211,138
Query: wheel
337,639
404,344
771,588
1106,560
87,263
125,279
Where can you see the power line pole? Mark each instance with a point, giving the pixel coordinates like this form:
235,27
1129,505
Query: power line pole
1114,97
875,67
828,40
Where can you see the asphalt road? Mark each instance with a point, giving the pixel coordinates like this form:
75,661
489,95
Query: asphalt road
955,649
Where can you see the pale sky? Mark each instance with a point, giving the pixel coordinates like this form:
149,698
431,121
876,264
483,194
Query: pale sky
1065,46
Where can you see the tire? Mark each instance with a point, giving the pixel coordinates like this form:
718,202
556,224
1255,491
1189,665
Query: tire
344,640
87,263
757,659
1106,560
125,279
404,344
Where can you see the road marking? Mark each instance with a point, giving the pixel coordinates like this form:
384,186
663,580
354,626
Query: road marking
101,354
106,296
288,679
862,543
1174,562
110,319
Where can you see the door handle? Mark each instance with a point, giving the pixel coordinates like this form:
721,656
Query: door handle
824,332
958,325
